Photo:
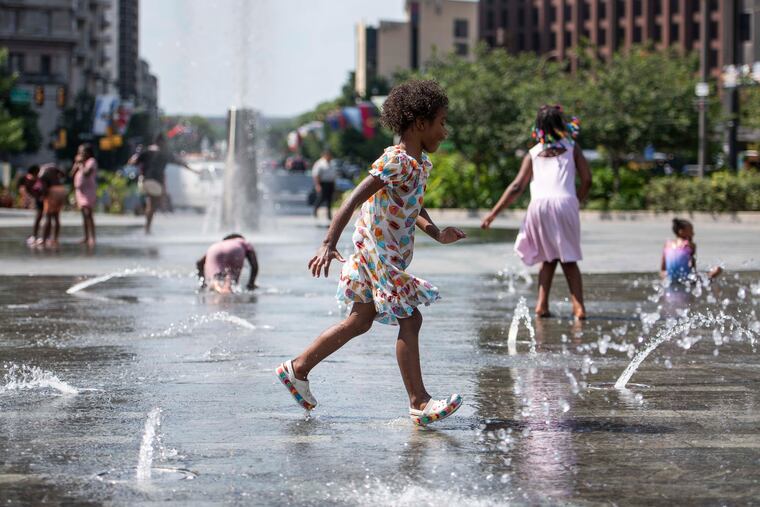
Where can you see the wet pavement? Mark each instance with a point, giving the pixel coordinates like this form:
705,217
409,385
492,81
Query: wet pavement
140,390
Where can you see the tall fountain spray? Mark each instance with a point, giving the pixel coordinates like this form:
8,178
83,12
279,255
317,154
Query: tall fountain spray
240,197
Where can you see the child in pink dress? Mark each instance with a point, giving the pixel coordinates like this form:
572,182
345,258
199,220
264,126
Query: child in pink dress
551,232
85,173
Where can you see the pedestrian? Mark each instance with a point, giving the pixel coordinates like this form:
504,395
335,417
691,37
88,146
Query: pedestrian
679,256
324,174
374,281
32,192
152,162
85,173
220,268
54,195
551,231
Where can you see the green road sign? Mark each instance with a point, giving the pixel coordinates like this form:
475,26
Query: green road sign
21,96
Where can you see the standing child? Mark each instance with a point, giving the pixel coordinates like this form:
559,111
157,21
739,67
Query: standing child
85,176
679,257
33,190
54,197
374,281
551,231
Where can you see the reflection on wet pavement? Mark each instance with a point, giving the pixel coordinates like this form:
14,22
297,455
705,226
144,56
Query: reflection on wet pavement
88,378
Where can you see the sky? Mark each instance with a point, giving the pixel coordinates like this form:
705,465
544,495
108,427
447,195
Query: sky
281,57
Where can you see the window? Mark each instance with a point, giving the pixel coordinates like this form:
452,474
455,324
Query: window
585,10
534,16
7,20
536,41
489,20
568,39
620,34
675,33
657,7
505,18
657,36
552,41
675,6
520,16
601,37
636,34
16,62
602,10
745,27
45,65
36,22
637,7
620,8
460,28
552,13
521,41
713,30
568,12
712,58
461,49
695,31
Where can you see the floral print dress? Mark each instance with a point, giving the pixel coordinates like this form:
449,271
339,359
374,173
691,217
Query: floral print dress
384,241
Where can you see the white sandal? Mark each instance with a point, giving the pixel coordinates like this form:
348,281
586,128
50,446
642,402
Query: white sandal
435,410
299,389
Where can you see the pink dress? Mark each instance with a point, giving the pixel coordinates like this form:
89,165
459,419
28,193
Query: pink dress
552,227
226,258
86,187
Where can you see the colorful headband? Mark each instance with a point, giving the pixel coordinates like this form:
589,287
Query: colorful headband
548,140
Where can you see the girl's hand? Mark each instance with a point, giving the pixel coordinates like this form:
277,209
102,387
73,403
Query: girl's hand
450,235
322,260
487,221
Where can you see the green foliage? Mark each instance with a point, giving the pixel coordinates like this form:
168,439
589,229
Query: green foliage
722,192
456,182
750,107
116,186
18,125
630,194
641,97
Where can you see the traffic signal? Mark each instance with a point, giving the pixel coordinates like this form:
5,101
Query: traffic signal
60,97
39,95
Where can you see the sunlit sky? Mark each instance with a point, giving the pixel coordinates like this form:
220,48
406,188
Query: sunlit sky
299,52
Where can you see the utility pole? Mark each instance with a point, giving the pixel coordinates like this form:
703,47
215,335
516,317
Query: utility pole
702,88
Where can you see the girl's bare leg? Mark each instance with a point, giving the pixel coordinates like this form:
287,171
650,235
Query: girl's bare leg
37,221
56,227
408,357
358,322
575,284
545,277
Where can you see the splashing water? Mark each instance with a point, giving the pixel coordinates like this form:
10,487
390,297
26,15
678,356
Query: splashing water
521,313
84,284
683,325
23,377
510,276
145,459
200,320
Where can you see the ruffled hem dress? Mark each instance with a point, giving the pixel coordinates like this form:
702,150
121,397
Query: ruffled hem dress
552,229
384,241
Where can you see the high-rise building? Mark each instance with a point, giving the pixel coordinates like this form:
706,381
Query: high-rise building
128,41
432,27
58,48
556,27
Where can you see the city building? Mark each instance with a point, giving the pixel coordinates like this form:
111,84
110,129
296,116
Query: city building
128,40
431,28
147,90
58,48
556,27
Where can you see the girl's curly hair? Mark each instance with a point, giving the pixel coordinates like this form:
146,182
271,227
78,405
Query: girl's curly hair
417,98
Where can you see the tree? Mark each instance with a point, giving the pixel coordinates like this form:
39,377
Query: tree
641,98
18,123
77,121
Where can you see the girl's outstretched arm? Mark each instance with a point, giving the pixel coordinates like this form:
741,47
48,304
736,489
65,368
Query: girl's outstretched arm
328,251
447,235
512,192
581,164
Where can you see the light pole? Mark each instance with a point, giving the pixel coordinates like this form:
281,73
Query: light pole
703,89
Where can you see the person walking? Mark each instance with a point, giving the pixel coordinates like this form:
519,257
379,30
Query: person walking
324,173
152,162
